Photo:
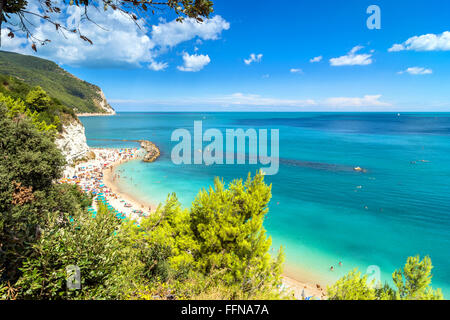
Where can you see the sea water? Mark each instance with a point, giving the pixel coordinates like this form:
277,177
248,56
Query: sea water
322,211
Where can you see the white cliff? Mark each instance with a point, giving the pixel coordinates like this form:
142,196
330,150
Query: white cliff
104,104
72,141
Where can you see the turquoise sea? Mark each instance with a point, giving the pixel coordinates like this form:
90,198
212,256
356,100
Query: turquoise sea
322,211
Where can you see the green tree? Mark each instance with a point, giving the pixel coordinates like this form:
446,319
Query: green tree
16,109
29,163
38,100
352,286
414,280
87,242
412,283
227,225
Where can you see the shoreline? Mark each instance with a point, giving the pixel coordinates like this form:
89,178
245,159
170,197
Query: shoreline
109,159
95,114
304,290
108,179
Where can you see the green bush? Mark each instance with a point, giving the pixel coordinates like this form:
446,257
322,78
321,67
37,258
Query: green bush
411,283
87,242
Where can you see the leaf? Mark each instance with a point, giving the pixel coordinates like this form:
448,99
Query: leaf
86,39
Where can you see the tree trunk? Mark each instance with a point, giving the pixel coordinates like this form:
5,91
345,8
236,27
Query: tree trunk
2,4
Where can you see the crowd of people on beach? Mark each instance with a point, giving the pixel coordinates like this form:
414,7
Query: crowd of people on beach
89,176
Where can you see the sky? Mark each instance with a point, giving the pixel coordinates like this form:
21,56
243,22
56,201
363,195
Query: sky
260,55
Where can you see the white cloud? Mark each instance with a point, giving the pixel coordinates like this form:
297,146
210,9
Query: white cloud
194,63
298,70
253,58
352,59
242,99
366,101
158,66
173,33
15,44
316,59
426,42
119,41
254,100
417,71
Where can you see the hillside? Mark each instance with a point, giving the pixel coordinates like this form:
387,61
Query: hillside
48,108
79,95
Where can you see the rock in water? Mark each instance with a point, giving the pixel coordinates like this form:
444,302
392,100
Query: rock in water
152,151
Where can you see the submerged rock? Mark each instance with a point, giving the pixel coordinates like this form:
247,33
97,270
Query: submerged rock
359,169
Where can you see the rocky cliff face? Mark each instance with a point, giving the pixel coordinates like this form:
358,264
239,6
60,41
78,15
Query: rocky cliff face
103,104
72,141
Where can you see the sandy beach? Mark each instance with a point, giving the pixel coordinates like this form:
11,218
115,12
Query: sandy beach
95,114
99,176
303,290
110,181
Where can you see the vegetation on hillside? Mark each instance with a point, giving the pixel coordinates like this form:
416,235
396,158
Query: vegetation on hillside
21,98
78,95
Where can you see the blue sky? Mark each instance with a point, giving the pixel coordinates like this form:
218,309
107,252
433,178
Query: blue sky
203,67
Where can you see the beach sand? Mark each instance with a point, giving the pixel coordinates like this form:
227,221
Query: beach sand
303,290
100,175
111,183
97,176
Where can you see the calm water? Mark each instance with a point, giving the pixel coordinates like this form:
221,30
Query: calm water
322,211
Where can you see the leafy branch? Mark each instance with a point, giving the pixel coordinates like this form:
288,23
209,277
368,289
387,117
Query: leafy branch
16,14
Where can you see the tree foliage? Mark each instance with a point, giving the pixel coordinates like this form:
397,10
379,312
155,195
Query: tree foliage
17,108
47,113
352,286
411,283
84,241
218,248
227,225
414,280
38,100
29,163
